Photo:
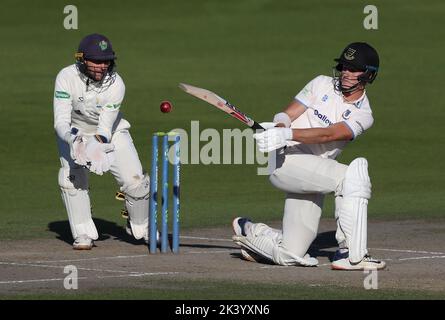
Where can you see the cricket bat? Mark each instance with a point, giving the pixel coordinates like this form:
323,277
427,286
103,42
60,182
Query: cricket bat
220,103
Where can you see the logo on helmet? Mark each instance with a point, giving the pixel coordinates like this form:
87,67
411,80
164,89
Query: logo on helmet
103,45
349,54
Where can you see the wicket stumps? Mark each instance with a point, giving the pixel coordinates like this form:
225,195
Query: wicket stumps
153,210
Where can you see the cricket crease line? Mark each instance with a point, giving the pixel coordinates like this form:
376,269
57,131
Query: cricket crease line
211,252
91,259
62,267
204,238
419,258
36,280
139,274
407,251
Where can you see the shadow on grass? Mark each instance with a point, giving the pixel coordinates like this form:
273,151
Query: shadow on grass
106,230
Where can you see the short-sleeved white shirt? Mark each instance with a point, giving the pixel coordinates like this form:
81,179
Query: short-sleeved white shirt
325,107
86,106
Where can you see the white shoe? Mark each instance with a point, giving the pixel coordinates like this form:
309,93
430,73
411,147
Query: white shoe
83,243
238,225
251,256
341,262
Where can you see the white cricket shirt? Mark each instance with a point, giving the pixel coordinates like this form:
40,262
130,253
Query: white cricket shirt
325,107
89,108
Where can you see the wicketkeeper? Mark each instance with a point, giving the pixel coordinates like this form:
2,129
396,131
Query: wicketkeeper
93,137
307,136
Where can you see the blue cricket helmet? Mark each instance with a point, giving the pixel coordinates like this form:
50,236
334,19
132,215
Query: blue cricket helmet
96,47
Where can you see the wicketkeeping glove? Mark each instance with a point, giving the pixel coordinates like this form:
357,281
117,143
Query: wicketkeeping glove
99,155
77,150
272,139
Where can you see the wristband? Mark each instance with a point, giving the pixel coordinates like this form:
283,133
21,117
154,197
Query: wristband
284,118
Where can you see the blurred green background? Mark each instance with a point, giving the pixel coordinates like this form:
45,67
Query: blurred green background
256,53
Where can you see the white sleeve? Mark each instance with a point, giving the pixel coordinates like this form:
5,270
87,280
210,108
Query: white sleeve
359,122
62,106
308,94
111,109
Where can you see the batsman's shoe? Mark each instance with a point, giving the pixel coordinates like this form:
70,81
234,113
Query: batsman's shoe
247,254
238,225
83,243
341,262
251,256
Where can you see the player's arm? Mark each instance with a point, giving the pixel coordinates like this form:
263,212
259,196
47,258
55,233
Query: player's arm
110,111
295,109
335,132
62,107
290,113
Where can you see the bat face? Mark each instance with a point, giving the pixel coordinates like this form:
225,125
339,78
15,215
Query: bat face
220,103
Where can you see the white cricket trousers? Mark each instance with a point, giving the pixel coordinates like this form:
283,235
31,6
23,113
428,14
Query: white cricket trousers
306,179
73,180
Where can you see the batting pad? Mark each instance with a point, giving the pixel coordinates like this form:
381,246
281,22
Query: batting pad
137,202
339,234
352,213
74,189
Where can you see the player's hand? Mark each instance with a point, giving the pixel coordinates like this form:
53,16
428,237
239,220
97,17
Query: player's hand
77,150
272,139
99,156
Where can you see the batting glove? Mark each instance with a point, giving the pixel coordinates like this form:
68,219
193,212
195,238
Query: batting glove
272,139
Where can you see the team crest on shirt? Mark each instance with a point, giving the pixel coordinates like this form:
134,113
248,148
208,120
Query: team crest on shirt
325,98
346,114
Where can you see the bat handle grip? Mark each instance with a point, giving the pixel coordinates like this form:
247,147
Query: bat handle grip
257,126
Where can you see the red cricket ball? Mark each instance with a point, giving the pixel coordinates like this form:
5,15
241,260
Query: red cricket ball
165,106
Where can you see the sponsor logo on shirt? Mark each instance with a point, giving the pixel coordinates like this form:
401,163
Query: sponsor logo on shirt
113,106
346,114
322,117
62,95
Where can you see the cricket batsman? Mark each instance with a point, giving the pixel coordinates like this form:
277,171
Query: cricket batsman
324,117
92,136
